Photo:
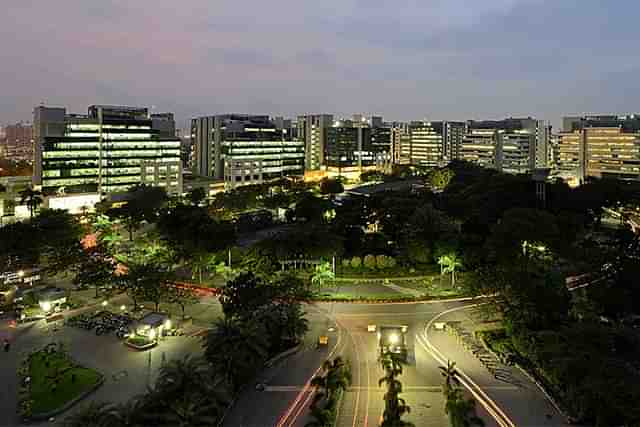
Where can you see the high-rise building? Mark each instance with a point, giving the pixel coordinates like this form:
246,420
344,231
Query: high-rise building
165,124
482,147
109,149
246,149
603,146
432,143
511,145
400,141
312,130
16,142
355,145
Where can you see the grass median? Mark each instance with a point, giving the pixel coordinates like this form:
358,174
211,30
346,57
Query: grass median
56,380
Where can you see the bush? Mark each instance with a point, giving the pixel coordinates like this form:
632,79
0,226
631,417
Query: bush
381,261
391,262
369,262
346,262
356,262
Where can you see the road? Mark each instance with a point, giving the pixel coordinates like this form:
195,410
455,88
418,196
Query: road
509,401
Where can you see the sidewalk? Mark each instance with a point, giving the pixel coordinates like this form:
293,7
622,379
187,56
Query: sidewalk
522,401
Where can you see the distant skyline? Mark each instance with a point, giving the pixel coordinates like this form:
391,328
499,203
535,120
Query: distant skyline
402,59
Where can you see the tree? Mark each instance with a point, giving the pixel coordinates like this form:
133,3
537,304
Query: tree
395,407
244,294
59,235
197,196
143,204
369,262
440,178
193,234
311,208
147,282
331,186
96,268
186,394
449,377
449,264
334,379
236,349
461,411
32,198
356,262
182,296
523,225
323,273
19,246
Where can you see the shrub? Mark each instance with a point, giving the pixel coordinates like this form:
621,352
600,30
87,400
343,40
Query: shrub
356,262
369,262
381,261
391,262
346,262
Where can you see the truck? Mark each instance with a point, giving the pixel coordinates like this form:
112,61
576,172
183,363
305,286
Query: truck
393,339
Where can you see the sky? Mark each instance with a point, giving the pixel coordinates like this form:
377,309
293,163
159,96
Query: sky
402,59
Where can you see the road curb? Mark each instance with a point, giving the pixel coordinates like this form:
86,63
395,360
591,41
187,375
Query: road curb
389,302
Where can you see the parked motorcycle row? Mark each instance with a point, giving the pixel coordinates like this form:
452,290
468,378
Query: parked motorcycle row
103,323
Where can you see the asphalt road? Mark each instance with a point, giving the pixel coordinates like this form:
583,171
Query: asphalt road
509,401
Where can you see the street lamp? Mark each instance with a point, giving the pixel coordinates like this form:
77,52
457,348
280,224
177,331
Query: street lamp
105,303
123,307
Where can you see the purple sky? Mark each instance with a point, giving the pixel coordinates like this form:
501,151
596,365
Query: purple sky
404,59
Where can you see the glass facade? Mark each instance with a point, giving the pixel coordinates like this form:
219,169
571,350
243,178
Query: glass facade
109,150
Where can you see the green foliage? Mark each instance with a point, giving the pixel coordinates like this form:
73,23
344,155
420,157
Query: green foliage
356,262
197,196
143,204
369,262
323,274
147,282
236,349
440,178
192,234
95,268
32,198
395,407
311,209
331,186
329,387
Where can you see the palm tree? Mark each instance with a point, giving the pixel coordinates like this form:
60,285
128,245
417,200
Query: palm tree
450,377
395,407
32,198
450,262
461,411
323,273
236,349
185,394
336,378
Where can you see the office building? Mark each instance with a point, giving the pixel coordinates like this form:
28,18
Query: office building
603,146
512,145
109,149
312,129
245,149
432,144
16,142
165,124
353,146
481,147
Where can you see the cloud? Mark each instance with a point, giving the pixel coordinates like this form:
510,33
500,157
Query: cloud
405,59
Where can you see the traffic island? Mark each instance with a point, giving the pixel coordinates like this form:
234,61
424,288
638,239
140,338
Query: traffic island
140,343
51,382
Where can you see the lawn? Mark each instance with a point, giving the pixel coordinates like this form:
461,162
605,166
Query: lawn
45,369
397,271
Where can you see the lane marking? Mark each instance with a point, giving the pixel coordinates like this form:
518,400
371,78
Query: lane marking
494,410
306,387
